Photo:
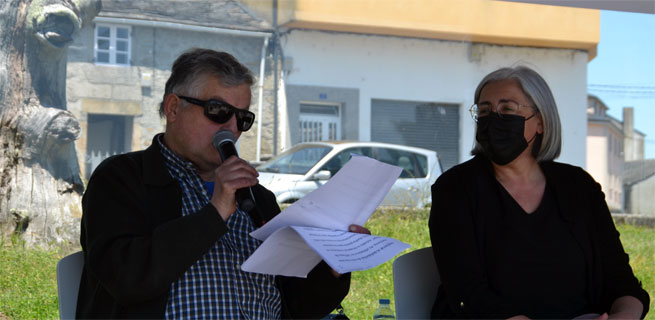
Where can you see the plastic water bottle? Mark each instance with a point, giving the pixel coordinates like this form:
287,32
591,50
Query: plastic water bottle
384,310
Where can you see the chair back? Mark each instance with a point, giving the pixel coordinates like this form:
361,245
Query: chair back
69,273
415,282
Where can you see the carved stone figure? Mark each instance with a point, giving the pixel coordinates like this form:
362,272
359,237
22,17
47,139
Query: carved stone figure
40,184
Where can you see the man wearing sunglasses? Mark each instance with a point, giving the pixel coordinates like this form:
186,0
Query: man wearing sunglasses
161,231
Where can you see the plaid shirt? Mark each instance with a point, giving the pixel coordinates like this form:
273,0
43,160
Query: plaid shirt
215,287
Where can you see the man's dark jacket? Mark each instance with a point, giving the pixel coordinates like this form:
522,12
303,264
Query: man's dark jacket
137,243
466,221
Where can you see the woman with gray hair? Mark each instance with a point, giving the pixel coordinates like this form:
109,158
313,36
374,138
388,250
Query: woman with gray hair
516,234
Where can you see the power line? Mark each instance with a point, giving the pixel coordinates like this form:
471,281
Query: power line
626,87
627,96
629,91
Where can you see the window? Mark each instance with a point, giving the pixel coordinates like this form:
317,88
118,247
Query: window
297,160
338,161
414,165
112,45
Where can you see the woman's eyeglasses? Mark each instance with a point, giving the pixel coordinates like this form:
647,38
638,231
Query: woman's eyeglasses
221,111
507,107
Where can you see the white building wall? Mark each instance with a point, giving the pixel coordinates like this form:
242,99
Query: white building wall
604,162
597,157
384,67
641,197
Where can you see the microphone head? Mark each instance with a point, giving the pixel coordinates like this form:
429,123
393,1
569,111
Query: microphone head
221,137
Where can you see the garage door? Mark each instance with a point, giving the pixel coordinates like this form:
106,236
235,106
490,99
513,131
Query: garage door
419,124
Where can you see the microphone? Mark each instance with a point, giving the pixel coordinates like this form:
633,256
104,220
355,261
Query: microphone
223,141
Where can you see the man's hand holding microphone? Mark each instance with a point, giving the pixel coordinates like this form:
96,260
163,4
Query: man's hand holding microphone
233,180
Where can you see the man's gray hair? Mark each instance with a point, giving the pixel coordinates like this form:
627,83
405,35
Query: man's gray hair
535,88
190,67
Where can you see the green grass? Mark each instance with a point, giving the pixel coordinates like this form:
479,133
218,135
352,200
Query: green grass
28,286
28,282
639,243
368,286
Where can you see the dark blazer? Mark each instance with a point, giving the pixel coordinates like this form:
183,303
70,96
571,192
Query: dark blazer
466,218
137,243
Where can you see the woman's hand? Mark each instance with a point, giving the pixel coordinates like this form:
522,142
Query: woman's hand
626,307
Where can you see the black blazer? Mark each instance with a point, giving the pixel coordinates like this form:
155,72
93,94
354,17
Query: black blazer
466,217
137,243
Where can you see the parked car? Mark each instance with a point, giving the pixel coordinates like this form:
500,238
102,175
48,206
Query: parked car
305,167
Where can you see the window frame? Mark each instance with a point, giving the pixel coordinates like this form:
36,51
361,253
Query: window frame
113,38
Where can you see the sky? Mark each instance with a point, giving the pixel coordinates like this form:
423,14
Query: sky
623,72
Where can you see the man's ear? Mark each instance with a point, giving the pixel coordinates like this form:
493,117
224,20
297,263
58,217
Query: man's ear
171,107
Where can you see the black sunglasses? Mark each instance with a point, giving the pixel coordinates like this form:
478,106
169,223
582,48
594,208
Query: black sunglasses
221,111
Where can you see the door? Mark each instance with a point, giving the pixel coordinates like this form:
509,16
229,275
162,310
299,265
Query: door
319,122
107,135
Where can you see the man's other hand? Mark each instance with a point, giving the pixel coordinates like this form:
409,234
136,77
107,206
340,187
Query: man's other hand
356,229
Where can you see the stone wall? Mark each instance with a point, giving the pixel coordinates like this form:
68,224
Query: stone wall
137,90
635,219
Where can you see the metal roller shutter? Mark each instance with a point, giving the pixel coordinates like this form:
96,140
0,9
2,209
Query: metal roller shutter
419,124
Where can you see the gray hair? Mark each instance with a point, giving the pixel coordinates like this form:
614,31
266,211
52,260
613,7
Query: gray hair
549,145
190,66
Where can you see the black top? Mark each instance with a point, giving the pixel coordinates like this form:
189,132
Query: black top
468,228
137,243
546,274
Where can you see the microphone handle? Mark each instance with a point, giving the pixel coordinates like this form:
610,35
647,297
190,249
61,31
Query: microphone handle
226,150
244,196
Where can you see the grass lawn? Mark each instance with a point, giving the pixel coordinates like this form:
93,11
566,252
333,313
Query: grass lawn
28,282
28,285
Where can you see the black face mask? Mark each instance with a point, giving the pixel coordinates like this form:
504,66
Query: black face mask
502,138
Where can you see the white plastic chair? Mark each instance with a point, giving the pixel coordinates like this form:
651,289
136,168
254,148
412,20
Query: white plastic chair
415,281
69,273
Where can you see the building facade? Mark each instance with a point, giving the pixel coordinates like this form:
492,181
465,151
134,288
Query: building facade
117,69
611,144
403,72
639,186
605,157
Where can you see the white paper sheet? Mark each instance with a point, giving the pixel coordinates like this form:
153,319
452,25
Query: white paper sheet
350,197
348,251
314,227
283,253
294,251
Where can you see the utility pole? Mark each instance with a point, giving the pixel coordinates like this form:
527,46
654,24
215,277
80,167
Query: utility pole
276,40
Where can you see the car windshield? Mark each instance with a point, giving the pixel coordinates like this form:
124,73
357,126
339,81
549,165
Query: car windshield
296,161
